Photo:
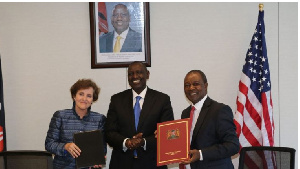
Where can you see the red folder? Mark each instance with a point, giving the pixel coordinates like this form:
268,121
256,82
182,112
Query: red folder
173,141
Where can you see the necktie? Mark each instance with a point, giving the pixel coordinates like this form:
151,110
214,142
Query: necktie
191,119
117,46
181,166
137,112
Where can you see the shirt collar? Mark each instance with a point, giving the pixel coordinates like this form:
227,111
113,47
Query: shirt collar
123,34
142,94
199,104
75,113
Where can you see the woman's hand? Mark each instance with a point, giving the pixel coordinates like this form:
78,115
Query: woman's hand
97,166
73,149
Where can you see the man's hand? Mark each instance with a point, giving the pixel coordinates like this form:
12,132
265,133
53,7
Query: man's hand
195,156
138,140
135,142
139,135
129,144
155,133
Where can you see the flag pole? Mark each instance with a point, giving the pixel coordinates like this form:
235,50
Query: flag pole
261,6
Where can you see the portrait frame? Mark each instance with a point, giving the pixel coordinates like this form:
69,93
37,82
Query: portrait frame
139,22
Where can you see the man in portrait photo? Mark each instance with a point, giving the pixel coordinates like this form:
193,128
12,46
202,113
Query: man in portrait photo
122,38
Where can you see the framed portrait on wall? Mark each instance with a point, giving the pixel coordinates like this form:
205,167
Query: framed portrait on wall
120,34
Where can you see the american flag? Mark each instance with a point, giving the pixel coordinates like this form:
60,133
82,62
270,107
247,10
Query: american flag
254,115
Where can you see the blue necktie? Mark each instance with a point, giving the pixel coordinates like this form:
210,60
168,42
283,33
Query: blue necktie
137,112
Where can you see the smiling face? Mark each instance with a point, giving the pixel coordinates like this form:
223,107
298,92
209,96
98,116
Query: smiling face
194,87
120,18
137,76
83,99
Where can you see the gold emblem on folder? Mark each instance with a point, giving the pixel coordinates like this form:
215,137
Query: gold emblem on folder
173,134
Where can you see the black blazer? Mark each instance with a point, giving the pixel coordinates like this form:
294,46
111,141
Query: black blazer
120,124
214,134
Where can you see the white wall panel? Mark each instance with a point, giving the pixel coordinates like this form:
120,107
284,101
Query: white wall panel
45,48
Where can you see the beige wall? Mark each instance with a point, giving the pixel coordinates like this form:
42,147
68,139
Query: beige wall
45,48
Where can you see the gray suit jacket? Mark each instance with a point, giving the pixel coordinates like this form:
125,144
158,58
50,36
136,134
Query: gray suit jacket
132,43
214,134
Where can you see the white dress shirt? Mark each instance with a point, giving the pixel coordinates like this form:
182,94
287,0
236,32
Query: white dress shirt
198,106
123,37
142,95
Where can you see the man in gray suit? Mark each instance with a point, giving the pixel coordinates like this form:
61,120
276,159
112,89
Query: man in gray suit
123,38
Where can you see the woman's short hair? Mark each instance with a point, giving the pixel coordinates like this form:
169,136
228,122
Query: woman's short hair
85,84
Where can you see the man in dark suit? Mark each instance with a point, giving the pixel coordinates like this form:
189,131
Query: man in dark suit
123,38
135,147
213,136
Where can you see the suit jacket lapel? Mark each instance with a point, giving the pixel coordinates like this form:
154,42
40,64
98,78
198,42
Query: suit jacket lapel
110,43
203,113
128,100
129,41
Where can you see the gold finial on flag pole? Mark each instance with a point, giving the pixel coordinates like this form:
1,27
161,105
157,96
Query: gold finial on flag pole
261,6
